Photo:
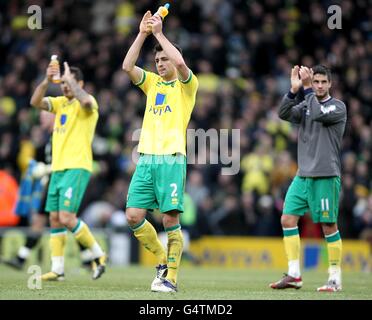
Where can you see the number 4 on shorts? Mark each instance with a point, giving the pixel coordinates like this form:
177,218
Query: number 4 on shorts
68,193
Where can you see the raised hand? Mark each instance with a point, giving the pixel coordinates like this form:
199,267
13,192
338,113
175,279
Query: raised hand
296,82
144,25
306,75
67,74
156,24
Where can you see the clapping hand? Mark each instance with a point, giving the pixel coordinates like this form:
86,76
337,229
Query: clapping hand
306,75
296,82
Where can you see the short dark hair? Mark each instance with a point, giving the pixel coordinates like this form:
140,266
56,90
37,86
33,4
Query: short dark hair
159,48
321,69
77,73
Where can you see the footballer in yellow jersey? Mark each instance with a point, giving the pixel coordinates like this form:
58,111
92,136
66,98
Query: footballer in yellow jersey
168,111
159,178
73,133
76,118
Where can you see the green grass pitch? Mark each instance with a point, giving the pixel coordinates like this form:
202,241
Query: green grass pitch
195,283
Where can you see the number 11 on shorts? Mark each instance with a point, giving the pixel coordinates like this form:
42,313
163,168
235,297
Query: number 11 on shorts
325,204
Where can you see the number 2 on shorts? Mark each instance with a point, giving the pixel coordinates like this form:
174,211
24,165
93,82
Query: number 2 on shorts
174,192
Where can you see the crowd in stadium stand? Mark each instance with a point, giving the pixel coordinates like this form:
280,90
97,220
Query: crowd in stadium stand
242,53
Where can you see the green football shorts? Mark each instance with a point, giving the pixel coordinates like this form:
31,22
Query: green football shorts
158,182
66,190
320,196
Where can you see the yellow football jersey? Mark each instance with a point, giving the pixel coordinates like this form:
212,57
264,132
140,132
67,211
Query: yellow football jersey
73,133
167,115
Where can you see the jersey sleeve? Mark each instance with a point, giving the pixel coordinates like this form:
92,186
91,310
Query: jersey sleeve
291,109
91,110
54,104
190,85
148,78
94,104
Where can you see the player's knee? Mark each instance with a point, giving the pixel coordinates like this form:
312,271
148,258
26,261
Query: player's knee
329,228
171,219
133,220
288,221
54,220
67,219
133,216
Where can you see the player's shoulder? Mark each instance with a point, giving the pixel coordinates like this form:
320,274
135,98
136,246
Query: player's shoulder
149,76
191,81
93,97
338,102
191,77
95,103
193,74
58,98
56,101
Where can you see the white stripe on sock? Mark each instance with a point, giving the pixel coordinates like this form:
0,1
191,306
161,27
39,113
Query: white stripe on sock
58,265
331,235
294,228
294,268
335,274
23,252
96,251
58,233
86,255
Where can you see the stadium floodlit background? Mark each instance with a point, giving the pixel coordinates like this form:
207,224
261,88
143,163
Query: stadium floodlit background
242,53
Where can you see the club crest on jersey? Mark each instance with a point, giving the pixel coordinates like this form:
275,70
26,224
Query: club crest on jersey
160,105
160,99
327,109
63,119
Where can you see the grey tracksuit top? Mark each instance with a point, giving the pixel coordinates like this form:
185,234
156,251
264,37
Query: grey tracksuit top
322,125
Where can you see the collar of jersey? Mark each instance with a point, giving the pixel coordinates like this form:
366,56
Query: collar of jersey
70,101
167,83
324,101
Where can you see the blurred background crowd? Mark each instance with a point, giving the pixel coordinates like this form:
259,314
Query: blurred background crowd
242,53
